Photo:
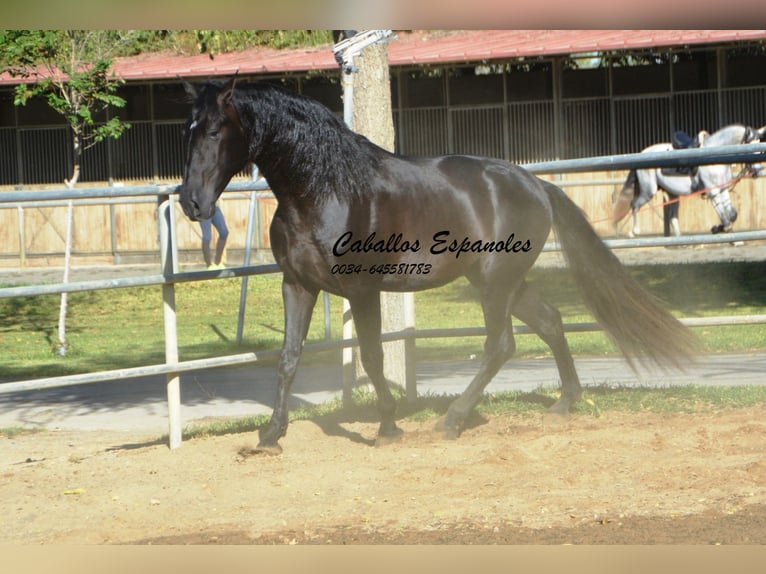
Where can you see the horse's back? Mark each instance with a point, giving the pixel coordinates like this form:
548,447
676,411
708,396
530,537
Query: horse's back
500,192
728,135
665,146
494,186
460,200
475,174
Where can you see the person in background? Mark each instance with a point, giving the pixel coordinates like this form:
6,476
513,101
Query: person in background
219,222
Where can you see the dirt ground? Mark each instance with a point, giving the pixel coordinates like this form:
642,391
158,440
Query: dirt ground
615,479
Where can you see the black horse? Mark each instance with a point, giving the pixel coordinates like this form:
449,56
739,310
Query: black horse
355,220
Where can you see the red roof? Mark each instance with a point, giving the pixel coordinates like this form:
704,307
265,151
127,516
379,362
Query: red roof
421,47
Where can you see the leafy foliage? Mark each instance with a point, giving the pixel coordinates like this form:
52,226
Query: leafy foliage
214,42
70,69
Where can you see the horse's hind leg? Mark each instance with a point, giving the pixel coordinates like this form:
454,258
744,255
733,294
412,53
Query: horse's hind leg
545,320
366,312
498,347
299,306
621,204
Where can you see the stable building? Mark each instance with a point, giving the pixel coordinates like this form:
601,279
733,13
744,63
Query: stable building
522,95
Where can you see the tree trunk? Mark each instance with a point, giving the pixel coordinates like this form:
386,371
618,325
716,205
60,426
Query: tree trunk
62,344
373,118
372,96
70,183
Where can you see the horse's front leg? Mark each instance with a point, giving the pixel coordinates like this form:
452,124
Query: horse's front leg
366,312
299,305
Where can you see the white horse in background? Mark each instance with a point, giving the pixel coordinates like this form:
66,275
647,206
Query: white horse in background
717,180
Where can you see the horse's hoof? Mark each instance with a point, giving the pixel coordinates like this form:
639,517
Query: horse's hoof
389,438
558,413
260,450
446,430
564,405
560,408
555,418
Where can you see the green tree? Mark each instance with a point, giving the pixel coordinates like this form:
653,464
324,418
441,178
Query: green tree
71,70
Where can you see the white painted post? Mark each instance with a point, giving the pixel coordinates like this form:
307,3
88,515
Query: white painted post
246,262
173,379
410,380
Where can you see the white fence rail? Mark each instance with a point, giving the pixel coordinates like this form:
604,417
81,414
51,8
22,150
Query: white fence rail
169,276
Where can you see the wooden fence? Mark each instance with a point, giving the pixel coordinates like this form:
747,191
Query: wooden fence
125,231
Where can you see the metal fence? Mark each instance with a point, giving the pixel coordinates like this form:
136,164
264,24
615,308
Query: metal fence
522,132
545,130
169,276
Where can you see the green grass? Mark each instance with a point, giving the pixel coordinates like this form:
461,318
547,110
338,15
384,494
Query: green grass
10,432
124,327
698,290
595,402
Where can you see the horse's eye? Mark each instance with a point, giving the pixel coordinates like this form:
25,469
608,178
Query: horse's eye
213,134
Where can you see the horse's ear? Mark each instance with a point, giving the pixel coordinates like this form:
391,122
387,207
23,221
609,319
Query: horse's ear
190,90
224,98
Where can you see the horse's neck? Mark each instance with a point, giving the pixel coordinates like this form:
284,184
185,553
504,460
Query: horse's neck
303,151
295,174
271,148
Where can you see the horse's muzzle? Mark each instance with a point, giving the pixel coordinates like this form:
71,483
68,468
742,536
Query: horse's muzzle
193,210
190,209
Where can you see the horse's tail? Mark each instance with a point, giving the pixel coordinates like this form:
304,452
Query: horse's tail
634,319
624,199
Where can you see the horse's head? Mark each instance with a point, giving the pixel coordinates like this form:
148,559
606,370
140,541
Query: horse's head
216,148
755,135
719,180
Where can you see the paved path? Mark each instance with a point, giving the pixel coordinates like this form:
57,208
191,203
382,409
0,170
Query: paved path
140,404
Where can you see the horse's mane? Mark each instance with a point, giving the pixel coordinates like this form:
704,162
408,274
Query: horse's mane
299,142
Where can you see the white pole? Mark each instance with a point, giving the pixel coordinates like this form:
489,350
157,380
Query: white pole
246,262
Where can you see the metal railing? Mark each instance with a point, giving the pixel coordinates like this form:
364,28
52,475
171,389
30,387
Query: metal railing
170,276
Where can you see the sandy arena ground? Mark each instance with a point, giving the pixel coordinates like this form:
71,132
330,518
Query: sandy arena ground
619,478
